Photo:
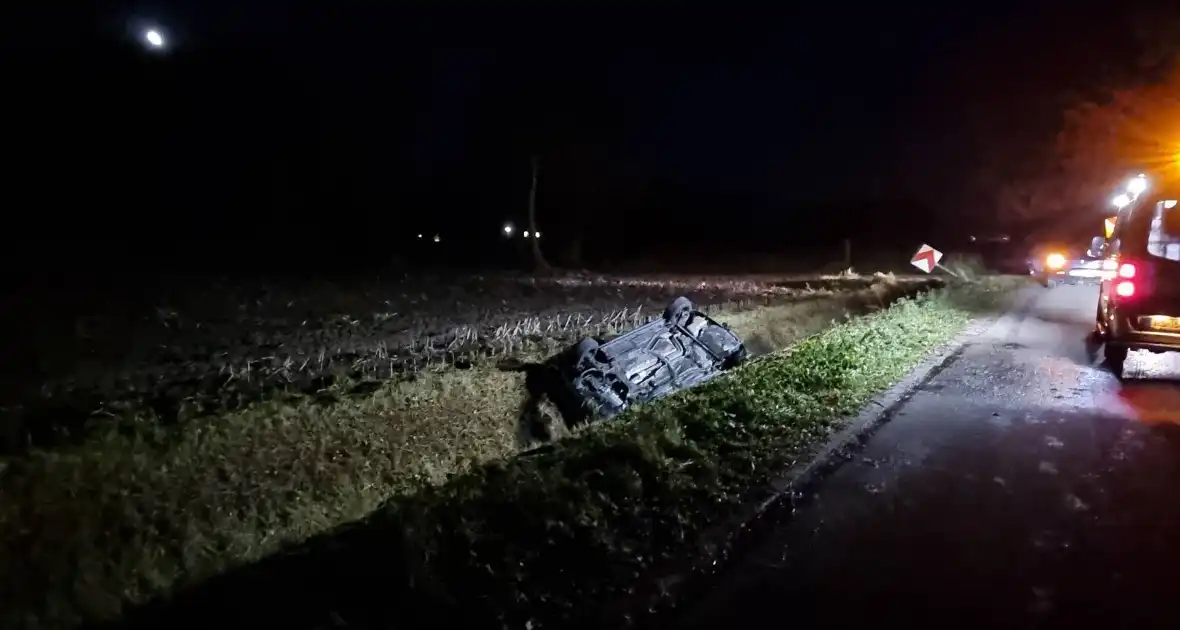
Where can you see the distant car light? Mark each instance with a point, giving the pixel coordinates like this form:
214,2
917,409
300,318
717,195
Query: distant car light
1055,261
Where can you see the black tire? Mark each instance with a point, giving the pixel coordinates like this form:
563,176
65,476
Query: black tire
1114,358
585,349
736,359
1094,338
678,311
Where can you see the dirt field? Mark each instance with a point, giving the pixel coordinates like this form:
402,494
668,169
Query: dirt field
170,438
194,351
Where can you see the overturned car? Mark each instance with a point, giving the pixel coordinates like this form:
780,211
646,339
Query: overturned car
683,348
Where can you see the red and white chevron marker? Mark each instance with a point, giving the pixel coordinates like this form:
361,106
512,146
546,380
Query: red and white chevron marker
926,259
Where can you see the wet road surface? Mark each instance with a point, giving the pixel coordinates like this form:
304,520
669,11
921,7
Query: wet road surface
1022,487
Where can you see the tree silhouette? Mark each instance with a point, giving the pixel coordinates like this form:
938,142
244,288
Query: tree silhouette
1125,122
1136,128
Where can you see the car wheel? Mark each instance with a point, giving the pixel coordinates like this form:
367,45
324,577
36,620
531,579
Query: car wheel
585,351
1093,341
737,358
677,312
1114,358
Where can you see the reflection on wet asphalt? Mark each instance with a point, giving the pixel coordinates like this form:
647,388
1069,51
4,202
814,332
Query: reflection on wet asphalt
1023,486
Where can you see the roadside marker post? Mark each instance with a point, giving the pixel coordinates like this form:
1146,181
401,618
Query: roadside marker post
927,259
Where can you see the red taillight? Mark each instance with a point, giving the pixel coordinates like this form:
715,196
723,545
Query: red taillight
1128,282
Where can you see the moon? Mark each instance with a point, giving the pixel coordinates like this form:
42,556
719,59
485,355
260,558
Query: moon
153,38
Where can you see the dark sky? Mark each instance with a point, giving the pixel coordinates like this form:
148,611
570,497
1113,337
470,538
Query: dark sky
770,115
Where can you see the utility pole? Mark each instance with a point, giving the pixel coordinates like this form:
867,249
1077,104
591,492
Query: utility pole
539,262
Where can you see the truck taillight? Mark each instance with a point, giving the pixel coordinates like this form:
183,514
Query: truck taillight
1126,283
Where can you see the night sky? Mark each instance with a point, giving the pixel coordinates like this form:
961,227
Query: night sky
346,123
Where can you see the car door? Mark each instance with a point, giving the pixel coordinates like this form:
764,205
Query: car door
1160,256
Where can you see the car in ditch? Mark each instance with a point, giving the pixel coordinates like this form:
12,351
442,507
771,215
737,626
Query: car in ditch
683,348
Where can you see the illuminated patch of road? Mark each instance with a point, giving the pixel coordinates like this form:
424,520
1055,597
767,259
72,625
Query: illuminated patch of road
1150,391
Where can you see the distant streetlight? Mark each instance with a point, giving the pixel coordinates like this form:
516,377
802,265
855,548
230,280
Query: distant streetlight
419,236
1121,201
436,238
509,229
537,234
526,234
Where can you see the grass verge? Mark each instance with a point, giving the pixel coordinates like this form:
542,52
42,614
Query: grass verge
545,540
142,507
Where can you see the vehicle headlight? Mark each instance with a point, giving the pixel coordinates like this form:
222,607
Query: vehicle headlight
1055,261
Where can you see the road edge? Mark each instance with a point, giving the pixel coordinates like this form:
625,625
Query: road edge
786,491
857,430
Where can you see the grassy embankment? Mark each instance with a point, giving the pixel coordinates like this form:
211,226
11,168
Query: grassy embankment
130,515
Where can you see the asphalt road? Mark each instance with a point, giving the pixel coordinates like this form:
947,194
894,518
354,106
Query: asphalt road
1022,487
